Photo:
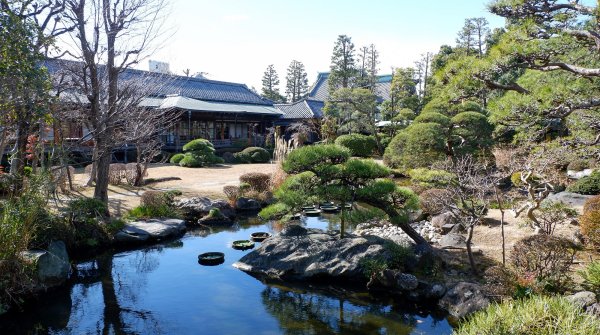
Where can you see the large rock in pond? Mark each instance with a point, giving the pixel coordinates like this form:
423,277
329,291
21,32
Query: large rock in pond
304,254
464,299
150,230
385,230
247,204
198,207
52,265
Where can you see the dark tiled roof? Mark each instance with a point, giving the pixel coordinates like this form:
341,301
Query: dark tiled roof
195,88
303,109
320,89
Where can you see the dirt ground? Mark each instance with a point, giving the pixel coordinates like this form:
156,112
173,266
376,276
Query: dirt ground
207,181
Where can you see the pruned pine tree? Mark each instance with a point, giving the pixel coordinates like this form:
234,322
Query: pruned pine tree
297,82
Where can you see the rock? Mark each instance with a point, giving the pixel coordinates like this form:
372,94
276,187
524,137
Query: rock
198,207
247,204
52,265
435,292
406,281
579,174
569,198
294,230
150,230
314,255
583,299
577,238
386,231
447,228
458,229
453,241
464,299
415,216
215,220
446,218
594,310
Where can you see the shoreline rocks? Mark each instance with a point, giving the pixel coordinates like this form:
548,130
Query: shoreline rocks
150,230
52,265
197,207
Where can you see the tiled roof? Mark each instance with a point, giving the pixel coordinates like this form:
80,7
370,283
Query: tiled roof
162,85
185,103
303,109
320,89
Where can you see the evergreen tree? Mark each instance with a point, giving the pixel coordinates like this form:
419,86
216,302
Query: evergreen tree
343,64
270,81
466,37
297,82
403,93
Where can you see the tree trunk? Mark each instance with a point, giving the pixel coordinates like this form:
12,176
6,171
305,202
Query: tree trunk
501,208
399,220
469,251
94,169
103,166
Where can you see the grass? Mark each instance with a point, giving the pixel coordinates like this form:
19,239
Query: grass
539,315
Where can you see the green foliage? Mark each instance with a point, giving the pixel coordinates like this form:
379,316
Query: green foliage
199,153
591,275
21,219
85,209
252,155
538,315
589,185
471,132
431,178
397,257
419,145
590,221
150,212
433,117
358,144
550,214
362,215
175,159
372,266
275,211
353,110
315,156
214,213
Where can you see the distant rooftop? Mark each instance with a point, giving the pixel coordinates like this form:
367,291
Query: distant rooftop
320,89
303,109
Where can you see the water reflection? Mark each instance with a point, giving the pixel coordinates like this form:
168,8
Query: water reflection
162,290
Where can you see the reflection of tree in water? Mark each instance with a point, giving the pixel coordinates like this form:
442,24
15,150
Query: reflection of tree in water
308,313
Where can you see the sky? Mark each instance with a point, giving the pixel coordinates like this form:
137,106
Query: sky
235,40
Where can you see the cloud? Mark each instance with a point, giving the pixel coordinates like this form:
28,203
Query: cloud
235,17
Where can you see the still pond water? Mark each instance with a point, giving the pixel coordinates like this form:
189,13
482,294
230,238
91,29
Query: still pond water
163,290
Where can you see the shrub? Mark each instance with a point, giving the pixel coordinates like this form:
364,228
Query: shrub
154,204
385,140
431,178
252,155
259,182
578,165
84,209
430,200
589,185
153,198
543,259
536,316
419,145
433,117
590,221
359,145
591,275
274,211
199,153
471,132
232,193
500,282
553,213
116,172
361,215
176,158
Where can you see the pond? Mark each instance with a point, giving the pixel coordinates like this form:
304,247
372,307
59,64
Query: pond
163,290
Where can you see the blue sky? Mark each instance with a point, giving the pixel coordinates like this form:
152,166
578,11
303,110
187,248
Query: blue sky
235,40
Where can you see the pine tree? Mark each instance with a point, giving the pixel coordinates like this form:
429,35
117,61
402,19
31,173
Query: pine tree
297,82
270,81
343,64
367,70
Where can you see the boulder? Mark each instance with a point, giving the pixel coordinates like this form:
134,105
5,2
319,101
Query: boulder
198,207
453,241
311,254
443,219
594,310
569,198
247,204
150,230
393,280
579,174
52,265
447,228
416,216
464,299
219,220
385,230
406,281
583,299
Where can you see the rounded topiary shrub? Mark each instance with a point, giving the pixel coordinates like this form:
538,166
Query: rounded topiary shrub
176,158
419,145
590,221
589,185
433,117
199,153
359,145
539,315
252,155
